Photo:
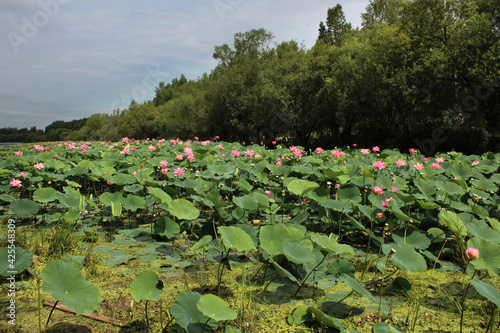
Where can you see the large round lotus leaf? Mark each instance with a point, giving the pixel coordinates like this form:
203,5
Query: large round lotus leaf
337,205
45,195
405,257
133,202
166,227
384,328
23,259
491,293
186,312
329,244
300,186
298,254
411,236
215,308
489,255
160,195
273,239
349,193
121,179
236,238
247,202
107,197
183,209
146,285
65,283
24,207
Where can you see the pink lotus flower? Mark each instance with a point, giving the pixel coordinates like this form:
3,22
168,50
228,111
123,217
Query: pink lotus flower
472,253
274,142
134,149
395,189
385,202
440,160
221,147
22,174
18,153
125,151
297,153
336,153
152,148
425,158
188,151
401,163
164,171
196,138
235,153
268,193
319,150
109,183
377,190
354,145
249,153
39,166
412,150
206,142
365,151
475,163
337,186
134,173
56,156
436,166
376,148
223,155
418,166
379,216
192,159
15,183
179,172
379,165
163,163
180,157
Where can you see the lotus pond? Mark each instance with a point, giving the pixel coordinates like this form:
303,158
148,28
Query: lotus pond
200,236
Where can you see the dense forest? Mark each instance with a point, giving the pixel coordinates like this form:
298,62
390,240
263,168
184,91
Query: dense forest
418,73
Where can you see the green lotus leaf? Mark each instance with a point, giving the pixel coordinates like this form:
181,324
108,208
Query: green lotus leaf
24,208
133,202
236,238
146,285
65,283
273,239
301,186
298,254
247,202
385,328
187,315
489,255
453,222
159,195
405,257
183,209
45,195
164,226
488,291
214,307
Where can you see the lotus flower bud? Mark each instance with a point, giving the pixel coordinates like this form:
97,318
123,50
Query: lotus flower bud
472,253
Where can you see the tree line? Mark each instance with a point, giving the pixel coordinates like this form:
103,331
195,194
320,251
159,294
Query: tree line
417,73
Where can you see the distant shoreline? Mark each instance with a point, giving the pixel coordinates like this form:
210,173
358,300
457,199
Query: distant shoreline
10,143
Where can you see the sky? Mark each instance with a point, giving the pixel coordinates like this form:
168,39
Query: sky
69,59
